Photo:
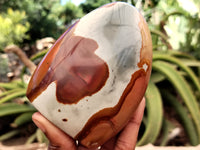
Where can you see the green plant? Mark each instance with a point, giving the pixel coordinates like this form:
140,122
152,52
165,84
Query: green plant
13,26
69,12
90,5
175,82
14,104
4,67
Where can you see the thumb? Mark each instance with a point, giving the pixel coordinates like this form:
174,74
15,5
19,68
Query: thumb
57,138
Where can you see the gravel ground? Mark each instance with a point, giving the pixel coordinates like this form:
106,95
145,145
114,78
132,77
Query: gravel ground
37,146
151,147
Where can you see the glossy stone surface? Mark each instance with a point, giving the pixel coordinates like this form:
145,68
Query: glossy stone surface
95,75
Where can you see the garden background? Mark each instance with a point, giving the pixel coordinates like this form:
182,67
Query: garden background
28,28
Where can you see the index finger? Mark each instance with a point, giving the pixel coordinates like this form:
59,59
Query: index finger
57,138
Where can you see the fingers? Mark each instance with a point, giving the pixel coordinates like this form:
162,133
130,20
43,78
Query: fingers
84,148
110,144
128,137
58,139
61,141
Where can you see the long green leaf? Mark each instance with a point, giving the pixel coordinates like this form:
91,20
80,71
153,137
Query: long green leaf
179,54
157,77
4,93
40,136
13,108
9,134
154,115
19,93
13,85
166,129
184,117
22,119
191,63
8,86
182,87
189,71
31,139
39,55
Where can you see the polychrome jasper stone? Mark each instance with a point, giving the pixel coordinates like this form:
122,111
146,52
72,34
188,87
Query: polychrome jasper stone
95,75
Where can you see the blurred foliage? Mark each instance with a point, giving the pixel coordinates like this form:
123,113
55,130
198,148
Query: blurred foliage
90,5
4,67
13,27
39,16
173,94
175,85
47,18
175,79
72,11
178,22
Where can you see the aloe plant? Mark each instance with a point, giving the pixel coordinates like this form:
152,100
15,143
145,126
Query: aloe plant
175,74
154,108
21,108
180,94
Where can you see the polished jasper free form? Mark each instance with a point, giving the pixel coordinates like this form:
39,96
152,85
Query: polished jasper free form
95,75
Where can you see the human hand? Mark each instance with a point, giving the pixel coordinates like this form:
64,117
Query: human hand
125,140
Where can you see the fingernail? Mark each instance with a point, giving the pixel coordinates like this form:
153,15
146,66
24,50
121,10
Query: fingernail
38,123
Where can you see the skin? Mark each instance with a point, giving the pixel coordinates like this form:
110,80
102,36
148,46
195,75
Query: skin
125,140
